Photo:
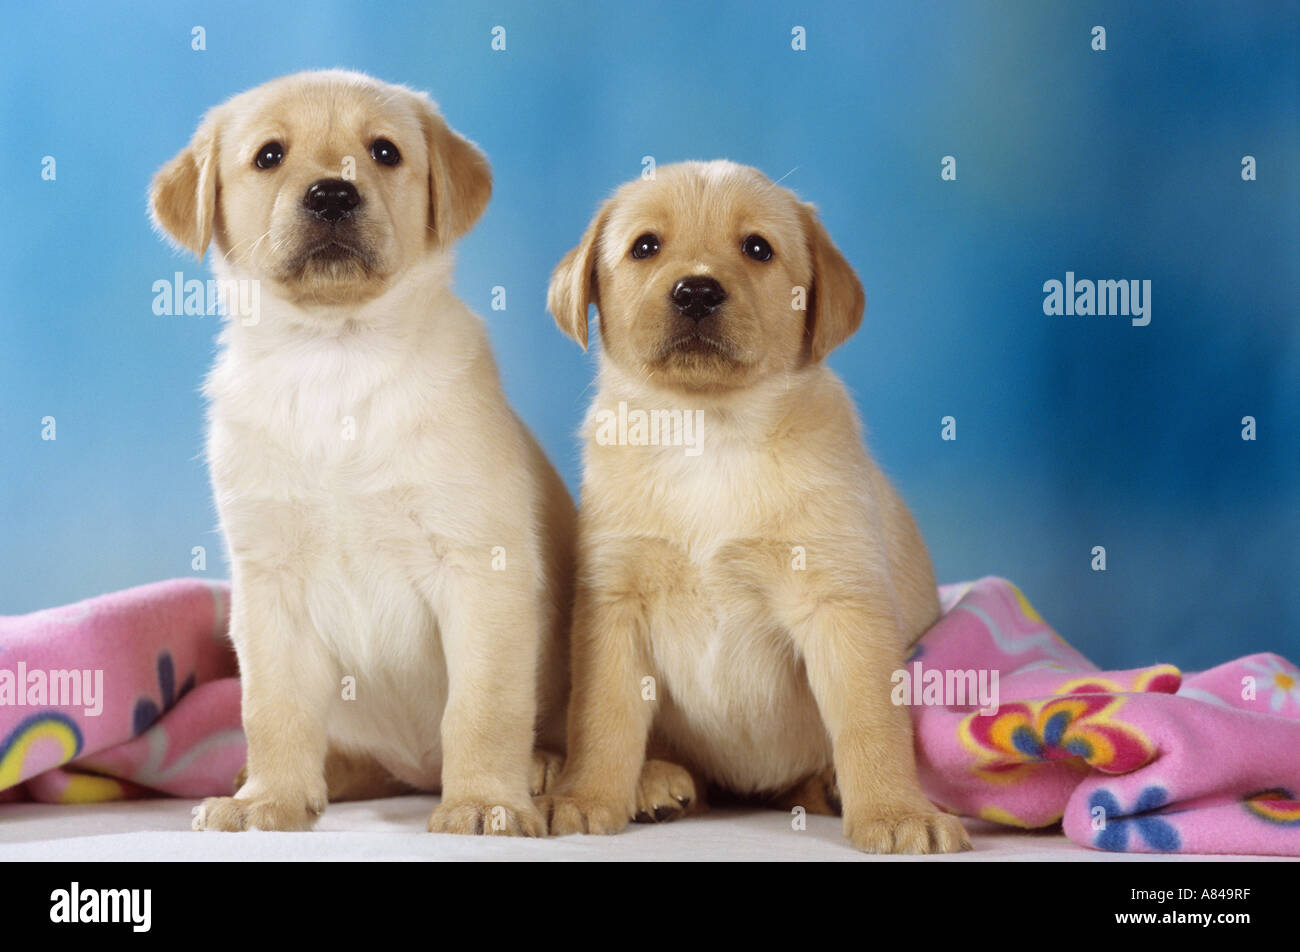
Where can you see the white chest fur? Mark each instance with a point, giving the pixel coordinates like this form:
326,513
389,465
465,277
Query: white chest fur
332,452
734,697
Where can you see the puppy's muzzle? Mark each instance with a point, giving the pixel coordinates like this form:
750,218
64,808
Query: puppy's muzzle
331,200
697,297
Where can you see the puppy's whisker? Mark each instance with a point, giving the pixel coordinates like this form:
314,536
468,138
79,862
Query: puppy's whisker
253,242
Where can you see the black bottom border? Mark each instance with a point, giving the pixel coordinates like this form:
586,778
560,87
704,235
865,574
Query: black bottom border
911,902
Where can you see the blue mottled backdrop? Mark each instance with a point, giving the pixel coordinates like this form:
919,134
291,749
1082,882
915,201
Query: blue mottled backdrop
1072,432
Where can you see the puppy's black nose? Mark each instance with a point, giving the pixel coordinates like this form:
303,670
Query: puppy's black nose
698,296
331,199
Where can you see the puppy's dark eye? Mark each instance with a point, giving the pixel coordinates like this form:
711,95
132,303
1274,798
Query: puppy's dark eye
384,152
647,246
756,247
269,155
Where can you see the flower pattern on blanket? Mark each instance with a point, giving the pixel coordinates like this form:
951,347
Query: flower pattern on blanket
1279,806
1080,727
146,711
1282,682
38,743
1146,825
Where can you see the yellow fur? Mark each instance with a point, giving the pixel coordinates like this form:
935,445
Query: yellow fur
389,518
741,609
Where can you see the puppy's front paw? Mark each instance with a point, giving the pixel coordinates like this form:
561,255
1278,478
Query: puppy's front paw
480,818
916,831
664,792
580,814
234,814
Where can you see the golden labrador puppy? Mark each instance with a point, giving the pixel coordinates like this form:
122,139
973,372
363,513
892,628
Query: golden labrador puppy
401,548
748,579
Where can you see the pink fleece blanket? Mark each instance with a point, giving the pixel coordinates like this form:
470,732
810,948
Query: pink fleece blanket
136,694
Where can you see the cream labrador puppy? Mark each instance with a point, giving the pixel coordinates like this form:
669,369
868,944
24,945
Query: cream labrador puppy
401,548
748,579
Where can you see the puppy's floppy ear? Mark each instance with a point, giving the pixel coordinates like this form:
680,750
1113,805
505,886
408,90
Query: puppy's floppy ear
183,194
460,178
836,299
573,283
